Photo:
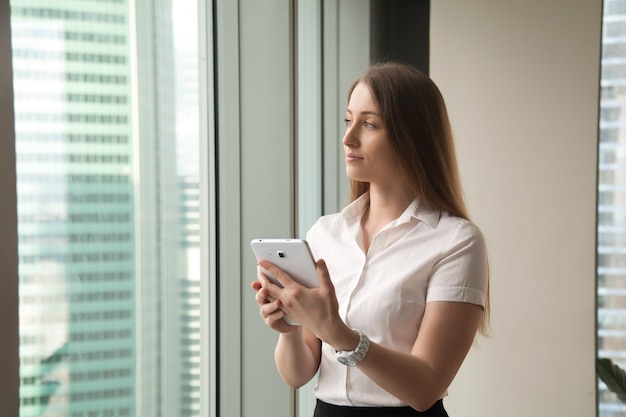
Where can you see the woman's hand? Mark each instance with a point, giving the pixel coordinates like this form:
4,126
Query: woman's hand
269,309
316,309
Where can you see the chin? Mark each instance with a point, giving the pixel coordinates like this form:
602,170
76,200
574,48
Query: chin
355,177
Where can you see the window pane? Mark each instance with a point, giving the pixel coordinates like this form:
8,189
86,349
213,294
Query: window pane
309,117
612,200
107,139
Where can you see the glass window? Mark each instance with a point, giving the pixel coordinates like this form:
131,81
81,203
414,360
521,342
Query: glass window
108,167
612,200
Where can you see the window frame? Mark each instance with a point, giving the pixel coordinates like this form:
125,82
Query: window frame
9,295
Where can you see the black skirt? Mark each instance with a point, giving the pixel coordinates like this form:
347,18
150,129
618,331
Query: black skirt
323,409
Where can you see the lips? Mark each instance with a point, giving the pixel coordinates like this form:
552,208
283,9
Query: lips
350,157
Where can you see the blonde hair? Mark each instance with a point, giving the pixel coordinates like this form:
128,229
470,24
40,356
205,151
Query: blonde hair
415,116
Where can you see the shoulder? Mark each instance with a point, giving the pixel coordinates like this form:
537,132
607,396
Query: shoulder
327,235
460,230
326,223
329,220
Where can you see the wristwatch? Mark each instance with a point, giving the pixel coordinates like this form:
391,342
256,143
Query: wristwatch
354,357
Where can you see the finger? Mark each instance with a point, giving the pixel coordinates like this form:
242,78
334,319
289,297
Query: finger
270,310
322,273
280,275
265,310
259,272
275,321
263,278
326,284
264,281
261,297
255,285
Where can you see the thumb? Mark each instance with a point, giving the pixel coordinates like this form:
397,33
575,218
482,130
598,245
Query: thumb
322,274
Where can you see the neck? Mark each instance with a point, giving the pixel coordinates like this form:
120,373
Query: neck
385,205
390,200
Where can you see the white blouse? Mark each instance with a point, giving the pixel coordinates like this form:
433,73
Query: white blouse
424,255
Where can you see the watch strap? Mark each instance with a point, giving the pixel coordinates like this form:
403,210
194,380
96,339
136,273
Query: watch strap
353,358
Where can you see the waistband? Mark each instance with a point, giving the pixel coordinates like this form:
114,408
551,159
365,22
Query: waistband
323,409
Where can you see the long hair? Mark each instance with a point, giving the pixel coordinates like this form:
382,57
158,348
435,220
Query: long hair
416,119
415,116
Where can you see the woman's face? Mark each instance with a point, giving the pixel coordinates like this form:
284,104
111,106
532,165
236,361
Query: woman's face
369,155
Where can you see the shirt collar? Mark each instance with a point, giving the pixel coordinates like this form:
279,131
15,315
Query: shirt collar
353,211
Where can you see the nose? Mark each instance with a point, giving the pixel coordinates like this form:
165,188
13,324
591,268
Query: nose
350,137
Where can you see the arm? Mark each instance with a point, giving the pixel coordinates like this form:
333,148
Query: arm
297,356
298,352
420,378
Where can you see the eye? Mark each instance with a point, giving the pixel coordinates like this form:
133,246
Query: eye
369,125
347,121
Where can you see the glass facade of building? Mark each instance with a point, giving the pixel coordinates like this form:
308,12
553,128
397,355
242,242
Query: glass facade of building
612,200
108,208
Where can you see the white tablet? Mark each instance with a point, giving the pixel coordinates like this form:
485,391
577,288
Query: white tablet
291,255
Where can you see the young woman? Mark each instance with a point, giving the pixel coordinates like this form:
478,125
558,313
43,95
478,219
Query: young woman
403,272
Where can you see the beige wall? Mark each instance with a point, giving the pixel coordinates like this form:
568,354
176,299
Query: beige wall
521,80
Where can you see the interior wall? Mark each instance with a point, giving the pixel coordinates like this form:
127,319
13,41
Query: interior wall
521,80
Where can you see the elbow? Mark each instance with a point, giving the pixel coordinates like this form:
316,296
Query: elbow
294,381
422,406
424,403
295,386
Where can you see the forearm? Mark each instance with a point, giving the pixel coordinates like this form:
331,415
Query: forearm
405,376
420,377
295,361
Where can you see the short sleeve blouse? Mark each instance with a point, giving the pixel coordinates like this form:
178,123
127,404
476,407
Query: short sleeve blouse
424,255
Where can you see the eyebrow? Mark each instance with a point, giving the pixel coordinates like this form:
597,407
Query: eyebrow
373,113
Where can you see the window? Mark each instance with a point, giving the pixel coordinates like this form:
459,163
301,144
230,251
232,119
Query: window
107,120
611,200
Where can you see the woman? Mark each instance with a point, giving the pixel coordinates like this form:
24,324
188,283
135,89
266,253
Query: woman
403,272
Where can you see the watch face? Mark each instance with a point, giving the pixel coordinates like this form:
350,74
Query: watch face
346,361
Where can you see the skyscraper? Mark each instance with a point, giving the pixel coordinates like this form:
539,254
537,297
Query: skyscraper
102,261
